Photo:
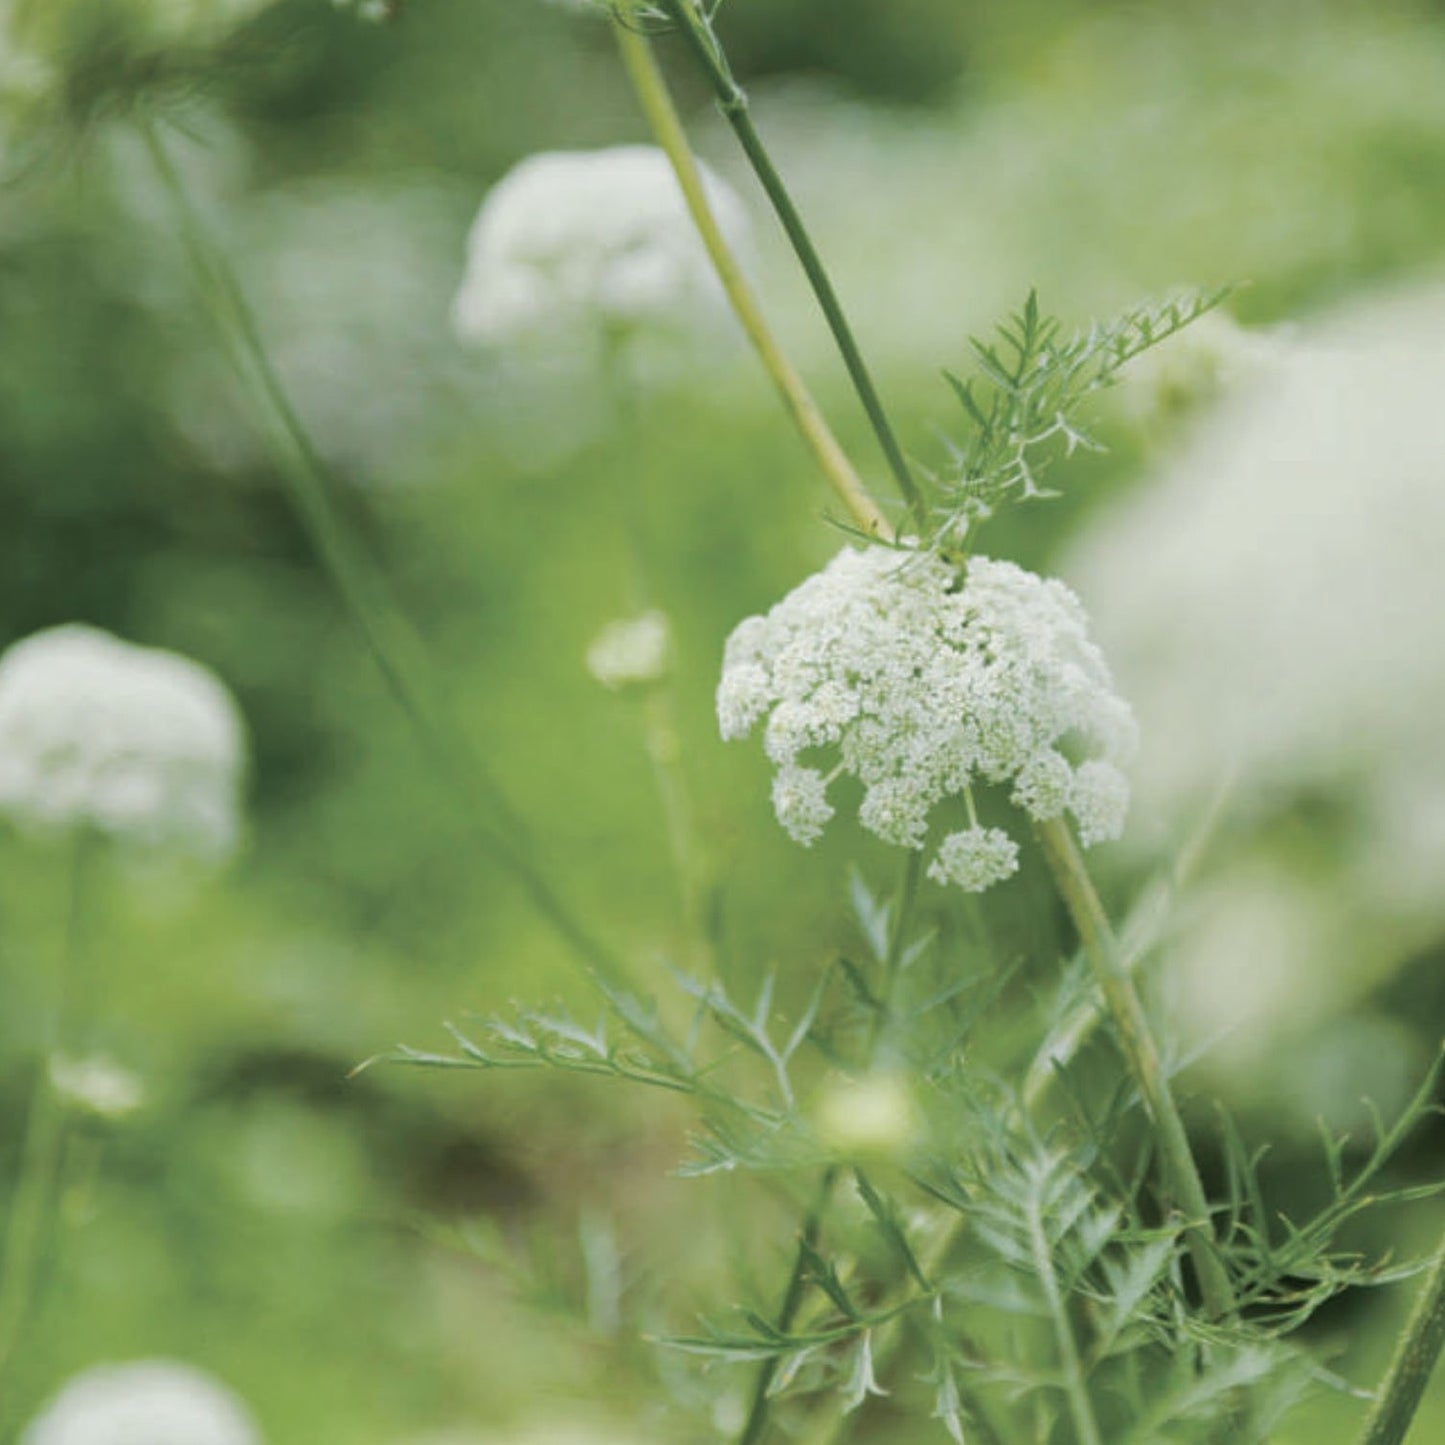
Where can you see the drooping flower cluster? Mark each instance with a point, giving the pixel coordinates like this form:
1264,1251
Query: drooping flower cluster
922,680
135,742
147,1402
573,239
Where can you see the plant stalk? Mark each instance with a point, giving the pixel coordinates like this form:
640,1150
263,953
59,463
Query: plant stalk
1076,1389
43,1145
661,115
757,1418
395,649
1416,1353
1131,1026
733,102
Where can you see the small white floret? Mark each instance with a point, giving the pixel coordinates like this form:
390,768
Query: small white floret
136,743
800,799
148,1402
975,859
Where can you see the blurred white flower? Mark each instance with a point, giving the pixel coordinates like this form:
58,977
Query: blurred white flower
148,1402
1273,602
921,681
141,744
583,241
96,1084
631,651
870,1116
1205,361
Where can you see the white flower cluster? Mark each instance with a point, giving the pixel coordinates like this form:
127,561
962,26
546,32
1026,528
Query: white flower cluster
921,681
632,651
138,743
148,1402
593,239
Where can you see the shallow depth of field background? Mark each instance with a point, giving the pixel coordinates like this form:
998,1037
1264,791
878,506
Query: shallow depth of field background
381,1259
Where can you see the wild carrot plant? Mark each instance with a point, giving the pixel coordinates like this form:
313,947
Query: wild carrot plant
1003,1230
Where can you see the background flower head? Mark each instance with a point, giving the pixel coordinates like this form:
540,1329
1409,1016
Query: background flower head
138,743
148,1402
570,241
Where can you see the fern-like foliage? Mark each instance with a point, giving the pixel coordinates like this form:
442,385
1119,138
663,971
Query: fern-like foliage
1024,402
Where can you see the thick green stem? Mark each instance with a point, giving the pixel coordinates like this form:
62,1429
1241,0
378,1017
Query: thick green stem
1141,1053
43,1144
661,114
393,646
1416,1354
733,102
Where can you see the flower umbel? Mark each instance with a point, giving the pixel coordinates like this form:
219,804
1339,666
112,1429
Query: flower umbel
135,742
923,680
160,1402
571,238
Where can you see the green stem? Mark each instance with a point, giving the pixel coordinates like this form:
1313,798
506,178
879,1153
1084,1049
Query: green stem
1138,936
1416,1354
42,1149
661,115
733,102
1141,1053
757,1418
393,646
1076,1389
659,725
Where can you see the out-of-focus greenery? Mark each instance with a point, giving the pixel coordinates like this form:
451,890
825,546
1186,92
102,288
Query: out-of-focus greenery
371,1259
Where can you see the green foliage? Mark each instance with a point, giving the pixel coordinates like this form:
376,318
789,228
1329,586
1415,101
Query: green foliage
1013,1261
1023,405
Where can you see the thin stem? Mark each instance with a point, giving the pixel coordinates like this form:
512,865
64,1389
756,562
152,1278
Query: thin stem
661,114
1141,1053
733,102
1076,1388
757,1418
659,725
42,1148
1140,932
393,646
1416,1353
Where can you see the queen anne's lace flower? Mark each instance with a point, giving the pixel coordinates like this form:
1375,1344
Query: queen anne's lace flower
148,1402
582,238
136,742
921,681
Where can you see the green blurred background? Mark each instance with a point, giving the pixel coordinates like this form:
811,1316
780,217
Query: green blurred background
381,1258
